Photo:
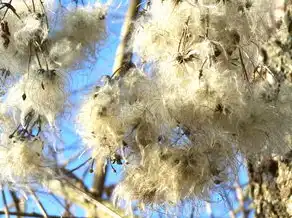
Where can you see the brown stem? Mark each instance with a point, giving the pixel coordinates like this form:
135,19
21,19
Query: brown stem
39,204
124,53
121,64
6,211
16,202
23,214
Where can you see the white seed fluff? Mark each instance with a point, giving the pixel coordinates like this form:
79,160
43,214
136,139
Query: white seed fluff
21,162
40,91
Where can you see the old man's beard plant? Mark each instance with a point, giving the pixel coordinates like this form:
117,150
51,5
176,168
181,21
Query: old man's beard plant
37,53
213,81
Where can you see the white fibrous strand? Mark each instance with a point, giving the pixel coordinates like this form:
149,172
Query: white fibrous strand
33,30
218,84
86,24
154,38
121,110
21,161
23,31
64,53
40,42
100,128
31,35
167,175
40,93
81,34
211,68
213,80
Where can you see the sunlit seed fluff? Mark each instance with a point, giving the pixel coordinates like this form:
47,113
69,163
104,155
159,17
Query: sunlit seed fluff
98,123
21,161
118,110
32,30
154,39
139,97
24,8
64,53
80,36
134,85
225,99
169,175
247,114
211,85
23,27
41,92
85,24
265,122
7,123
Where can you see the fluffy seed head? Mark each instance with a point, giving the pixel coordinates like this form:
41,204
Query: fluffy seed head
100,128
41,91
169,175
21,161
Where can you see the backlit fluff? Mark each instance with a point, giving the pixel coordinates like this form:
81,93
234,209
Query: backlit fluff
214,75
168,175
33,30
99,126
64,53
220,77
28,26
154,38
41,91
82,31
85,24
232,108
21,161
118,111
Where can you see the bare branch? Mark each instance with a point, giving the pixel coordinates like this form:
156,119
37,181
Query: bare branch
40,205
16,202
123,53
5,203
23,214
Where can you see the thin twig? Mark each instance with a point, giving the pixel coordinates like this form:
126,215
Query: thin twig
33,5
231,212
92,199
16,201
77,181
29,10
46,16
39,204
124,54
29,56
243,65
6,10
81,165
24,214
38,59
241,199
61,203
121,65
99,178
81,196
209,210
5,203
9,6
